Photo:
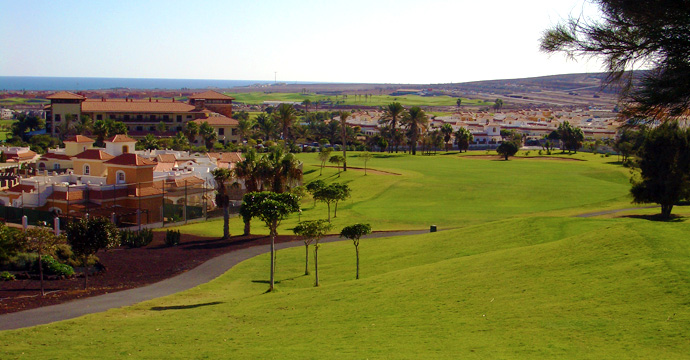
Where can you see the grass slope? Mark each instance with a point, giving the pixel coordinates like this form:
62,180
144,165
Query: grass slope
538,288
452,191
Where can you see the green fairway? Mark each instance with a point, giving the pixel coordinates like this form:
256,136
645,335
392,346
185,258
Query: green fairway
452,191
536,288
21,101
374,100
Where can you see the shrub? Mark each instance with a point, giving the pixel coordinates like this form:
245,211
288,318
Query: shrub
21,262
6,276
53,267
539,152
133,239
172,237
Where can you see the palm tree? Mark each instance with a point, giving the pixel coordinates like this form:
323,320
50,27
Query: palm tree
250,172
208,133
180,142
447,131
266,125
416,122
306,104
244,128
284,169
161,127
222,176
100,129
343,128
463,137
392,114
149,142
84,125
286,115
191,131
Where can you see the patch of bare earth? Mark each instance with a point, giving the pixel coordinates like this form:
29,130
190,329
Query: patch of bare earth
125,269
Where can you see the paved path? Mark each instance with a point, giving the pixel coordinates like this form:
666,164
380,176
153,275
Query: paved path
599,213
201,274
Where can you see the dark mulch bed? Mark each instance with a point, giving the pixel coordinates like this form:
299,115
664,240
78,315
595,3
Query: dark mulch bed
125,269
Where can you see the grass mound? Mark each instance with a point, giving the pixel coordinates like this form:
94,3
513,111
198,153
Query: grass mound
539,287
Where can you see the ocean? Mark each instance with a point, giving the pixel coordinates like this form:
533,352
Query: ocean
94,83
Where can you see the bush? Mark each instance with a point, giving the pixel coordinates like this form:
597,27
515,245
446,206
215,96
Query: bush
133,239
6,276
53,267
172,237
20,262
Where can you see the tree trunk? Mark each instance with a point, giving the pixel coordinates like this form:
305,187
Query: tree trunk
335,210
86,271
316,264
247,227
306,259
666,210
40,273
226,222
357,251
329,211
273,249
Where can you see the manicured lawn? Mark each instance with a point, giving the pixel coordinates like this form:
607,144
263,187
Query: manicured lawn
21,101
523,288
374,100
453,191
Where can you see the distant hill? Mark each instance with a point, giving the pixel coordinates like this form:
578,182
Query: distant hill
587,82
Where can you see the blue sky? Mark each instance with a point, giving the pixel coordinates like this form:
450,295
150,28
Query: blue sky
372,41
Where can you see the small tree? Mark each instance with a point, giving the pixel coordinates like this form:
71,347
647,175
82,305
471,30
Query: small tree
327,194
272,209
342,192
41,240
87,236
366,157
507,148
354,232
314,186
337,159
312,231
664,163
324,155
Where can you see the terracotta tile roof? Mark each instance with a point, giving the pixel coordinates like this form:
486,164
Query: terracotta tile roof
130,160
135,106
21,187
215,155
80,139
166,158
120,138
164,166
53,156
65,95
22,155
217,120
231,157
179,182
93,154
211,95
62,195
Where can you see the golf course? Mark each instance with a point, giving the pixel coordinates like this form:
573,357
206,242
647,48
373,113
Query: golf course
514,272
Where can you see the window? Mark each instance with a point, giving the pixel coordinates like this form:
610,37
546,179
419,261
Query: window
120,177
87,169
57,117
179,118
140,117
153,117
166,118
99,117
125,149
126,117
221,131
41,166
140,128
56,166
189,116
234,131
112,116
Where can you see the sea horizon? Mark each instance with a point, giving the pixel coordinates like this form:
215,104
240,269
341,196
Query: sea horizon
53,83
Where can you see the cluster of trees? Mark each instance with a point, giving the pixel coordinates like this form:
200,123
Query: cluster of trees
656,34
82,239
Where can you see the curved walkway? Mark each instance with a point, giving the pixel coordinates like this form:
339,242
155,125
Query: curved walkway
599,213
201,274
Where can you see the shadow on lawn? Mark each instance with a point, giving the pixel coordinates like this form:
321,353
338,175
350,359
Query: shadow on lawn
183,307
656,217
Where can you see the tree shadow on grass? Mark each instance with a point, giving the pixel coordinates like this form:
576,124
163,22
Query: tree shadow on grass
386,156
656,217
184,307
309,171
